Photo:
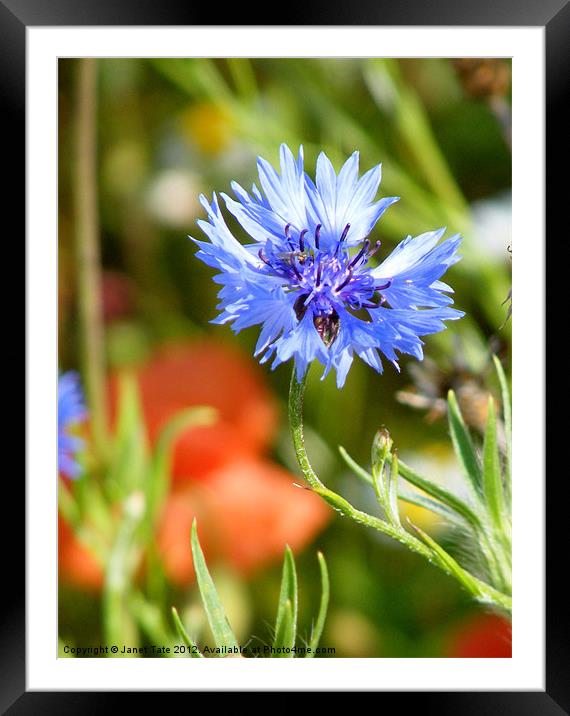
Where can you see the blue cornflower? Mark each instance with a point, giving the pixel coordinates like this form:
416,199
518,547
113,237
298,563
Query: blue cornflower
70,411
307,279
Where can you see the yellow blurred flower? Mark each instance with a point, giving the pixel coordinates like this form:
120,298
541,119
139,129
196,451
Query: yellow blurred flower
209,126
421,517
438,463
352,634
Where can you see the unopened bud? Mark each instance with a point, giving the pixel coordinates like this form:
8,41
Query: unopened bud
382,446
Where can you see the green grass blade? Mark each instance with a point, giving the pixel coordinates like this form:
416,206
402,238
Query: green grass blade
285,633
157,484
130,448
118,623
507,417
492,480
288,601
463,445
323,608
183,634
412,125
150,619
221,630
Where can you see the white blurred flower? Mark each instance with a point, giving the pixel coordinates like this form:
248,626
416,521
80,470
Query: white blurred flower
172,198
492,227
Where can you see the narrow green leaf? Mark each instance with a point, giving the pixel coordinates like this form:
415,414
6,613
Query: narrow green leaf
507,414
411,122
157,484
451,506
392,501
150,618
480,590
192,648
285,633
439,493
416,498
130,412
130,448
337,502
355,467
287,596
463,445
492,481
118,623
448,563
381,448
223,634
323,608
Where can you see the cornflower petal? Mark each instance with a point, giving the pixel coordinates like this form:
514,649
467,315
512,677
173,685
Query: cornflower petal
306,278
70,411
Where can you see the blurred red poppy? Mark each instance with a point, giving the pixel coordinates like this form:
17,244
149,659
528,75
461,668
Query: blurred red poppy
209,373
173,536
482,635
248,511
77,565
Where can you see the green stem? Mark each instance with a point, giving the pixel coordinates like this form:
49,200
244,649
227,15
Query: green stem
426,548
88,252
118,624
296,393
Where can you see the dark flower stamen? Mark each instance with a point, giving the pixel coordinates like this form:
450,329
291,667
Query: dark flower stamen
302,239
319,273
296,270
360,254
342,238
315,273
317,234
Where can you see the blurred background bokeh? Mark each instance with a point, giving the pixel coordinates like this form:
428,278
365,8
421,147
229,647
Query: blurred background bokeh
170,129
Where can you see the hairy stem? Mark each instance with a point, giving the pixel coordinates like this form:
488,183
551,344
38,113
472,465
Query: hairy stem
425,547
296,394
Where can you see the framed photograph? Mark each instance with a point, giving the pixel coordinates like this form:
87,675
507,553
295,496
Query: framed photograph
286,305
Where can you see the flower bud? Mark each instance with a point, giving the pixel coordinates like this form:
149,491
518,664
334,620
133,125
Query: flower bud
382,446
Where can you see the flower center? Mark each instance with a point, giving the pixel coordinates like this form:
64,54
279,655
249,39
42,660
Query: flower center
326,278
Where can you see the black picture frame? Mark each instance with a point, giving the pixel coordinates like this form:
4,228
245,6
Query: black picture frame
554,16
